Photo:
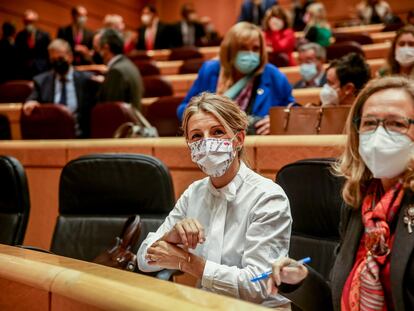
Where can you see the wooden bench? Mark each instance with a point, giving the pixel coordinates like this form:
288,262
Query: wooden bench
13,112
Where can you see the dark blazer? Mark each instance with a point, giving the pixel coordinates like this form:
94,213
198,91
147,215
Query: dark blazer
8,61
31,61
66,33
162,37
44,92
246,13
315,289
301,84
123,82
177,35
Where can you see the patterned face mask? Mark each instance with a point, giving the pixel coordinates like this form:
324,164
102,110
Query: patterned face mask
213,155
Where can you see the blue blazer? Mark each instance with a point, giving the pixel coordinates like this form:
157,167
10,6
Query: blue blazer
273,89
246,12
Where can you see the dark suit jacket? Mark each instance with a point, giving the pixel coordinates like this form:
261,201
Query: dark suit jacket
31,61
246,13
177,35
315,289
44,92
162,37
301,84
123,82
8,63
66,33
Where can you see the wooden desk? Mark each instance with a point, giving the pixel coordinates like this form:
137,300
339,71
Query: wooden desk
207,51
380,37
44,160
13,112
37,281
359,29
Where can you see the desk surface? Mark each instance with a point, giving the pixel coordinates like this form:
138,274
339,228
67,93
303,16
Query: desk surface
106,288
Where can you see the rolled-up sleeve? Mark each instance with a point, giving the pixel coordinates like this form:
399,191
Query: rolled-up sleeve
267,238
178,213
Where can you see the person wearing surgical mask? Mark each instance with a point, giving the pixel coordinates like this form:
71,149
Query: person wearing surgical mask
189,31
280,38
153,34
243,74
226,227
78,36
31,48
400,59
311,58
374,265
345,77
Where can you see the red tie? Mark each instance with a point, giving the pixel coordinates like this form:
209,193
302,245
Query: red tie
149,38
31,40
79,37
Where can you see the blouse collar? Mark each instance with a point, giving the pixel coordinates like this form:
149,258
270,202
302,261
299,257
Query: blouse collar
229,191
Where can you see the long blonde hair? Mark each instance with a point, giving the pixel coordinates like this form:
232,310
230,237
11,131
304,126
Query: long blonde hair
227,112
351,166
232,42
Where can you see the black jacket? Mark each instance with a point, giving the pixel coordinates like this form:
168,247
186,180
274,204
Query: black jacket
177,35
44,92
66,33
162,37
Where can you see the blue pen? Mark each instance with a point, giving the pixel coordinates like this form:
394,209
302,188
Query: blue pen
268,273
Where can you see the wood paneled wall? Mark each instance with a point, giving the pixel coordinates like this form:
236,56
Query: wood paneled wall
224,13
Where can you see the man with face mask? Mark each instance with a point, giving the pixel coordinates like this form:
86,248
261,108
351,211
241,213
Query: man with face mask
345,77
31,48
312,56
188,31
77,35
153,34
65,86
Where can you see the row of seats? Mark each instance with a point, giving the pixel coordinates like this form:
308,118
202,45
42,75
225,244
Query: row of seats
98,192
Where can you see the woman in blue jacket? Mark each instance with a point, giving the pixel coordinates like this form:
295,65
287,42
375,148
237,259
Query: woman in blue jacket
243,74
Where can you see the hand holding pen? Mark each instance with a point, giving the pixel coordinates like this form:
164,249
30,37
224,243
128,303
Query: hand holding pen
284,270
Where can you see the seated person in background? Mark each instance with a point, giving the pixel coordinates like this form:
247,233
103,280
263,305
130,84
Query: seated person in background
279,36
345,77
116,22
65,86
299,11
188,31
78,36
31,48
373,11
123,81
374,265
253,11
410,17
227,227
400,59
317,27
311,59
8,61
211,37
153,35
243,74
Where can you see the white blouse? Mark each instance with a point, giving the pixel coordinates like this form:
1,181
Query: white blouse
247,225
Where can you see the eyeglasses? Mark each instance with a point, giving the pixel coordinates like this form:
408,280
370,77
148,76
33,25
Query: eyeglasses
393,124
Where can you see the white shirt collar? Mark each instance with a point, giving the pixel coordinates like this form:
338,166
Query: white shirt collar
230,190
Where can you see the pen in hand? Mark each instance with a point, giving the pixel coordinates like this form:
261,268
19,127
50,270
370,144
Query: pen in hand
265,275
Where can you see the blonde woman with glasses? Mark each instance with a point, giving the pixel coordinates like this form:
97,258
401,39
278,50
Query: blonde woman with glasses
374,267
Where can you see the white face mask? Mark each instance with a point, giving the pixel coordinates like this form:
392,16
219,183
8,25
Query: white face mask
308,71
328,95
276,24
386,154
146,19
405,56
213,155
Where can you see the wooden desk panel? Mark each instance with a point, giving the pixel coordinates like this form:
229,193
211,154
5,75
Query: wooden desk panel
78,285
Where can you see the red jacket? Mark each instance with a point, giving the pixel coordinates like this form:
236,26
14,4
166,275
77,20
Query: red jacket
282,41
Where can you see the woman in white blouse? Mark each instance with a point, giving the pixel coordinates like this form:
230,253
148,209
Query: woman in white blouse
228,227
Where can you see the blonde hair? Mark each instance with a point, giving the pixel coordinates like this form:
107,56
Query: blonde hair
232,42
317,13
351,166
227,112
